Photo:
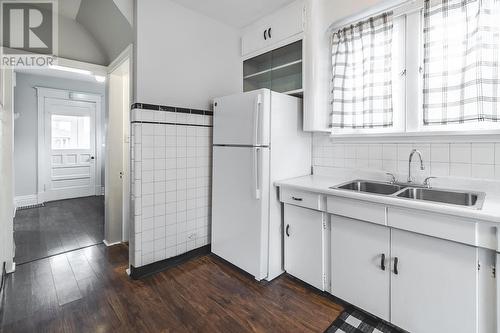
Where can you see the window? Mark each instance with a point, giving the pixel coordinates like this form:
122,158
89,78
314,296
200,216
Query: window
70,132
362,83
461,62
441,69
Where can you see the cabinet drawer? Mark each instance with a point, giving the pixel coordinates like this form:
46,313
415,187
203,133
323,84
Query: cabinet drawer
357,209
302,198
437,225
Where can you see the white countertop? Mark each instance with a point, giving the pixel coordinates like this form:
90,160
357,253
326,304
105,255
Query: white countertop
490,211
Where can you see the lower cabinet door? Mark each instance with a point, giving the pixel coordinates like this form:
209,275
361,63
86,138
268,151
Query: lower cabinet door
304,242
360,264
433,285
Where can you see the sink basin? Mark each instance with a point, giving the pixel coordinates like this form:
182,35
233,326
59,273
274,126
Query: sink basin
467,199
370,187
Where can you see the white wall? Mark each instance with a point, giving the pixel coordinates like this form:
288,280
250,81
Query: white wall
25,127
184,58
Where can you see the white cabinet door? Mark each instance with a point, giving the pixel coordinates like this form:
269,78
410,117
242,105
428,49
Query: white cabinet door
253,40
304,245
360,275
273,29
286,23
434,286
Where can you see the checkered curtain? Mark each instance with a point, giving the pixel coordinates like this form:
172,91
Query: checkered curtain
461,61
362,79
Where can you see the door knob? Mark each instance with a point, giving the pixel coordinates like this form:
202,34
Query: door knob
92,157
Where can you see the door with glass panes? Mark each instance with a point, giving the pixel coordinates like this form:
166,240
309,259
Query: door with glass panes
70,147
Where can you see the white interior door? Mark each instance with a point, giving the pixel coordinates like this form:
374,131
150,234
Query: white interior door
240,204
70,149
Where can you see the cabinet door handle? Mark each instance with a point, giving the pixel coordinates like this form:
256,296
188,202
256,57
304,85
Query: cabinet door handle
287,230
382,262
269,32
396,260
265,34
296,199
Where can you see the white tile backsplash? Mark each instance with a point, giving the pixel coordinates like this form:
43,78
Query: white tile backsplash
171,172
460,153
442,159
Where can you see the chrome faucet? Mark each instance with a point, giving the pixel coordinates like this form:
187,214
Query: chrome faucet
422,167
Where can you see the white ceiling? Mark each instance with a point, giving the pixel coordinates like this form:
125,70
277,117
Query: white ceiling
236,13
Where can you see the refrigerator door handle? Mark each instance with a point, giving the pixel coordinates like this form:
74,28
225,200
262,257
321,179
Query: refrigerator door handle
258,103
256,172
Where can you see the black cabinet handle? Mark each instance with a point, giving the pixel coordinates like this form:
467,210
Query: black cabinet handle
382,262
265,34
396,265
269,32
287,230
296,199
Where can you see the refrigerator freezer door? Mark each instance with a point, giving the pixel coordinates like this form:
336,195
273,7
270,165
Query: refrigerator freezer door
243,119
240,203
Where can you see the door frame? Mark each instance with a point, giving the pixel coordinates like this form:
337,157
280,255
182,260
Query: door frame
112,238
42,94
7,207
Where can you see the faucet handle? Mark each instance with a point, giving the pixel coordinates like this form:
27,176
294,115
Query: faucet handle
393,178
427,181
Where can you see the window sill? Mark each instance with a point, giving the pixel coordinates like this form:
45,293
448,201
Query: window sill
422,136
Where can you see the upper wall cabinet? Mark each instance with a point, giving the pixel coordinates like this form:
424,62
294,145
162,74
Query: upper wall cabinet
273,29
279,70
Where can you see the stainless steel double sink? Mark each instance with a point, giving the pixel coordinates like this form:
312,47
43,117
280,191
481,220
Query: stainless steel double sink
473,200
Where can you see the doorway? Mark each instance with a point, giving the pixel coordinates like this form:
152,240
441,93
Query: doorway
117,169
67,151
58,162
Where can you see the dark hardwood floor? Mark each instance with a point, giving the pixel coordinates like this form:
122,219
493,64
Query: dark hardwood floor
88,291
58,227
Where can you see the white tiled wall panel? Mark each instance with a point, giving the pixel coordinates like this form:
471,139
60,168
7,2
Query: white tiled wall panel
171,184
467,160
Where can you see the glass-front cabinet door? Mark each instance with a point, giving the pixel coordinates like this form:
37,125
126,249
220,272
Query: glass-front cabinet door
279,70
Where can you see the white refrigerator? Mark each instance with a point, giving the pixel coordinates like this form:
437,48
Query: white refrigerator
257,139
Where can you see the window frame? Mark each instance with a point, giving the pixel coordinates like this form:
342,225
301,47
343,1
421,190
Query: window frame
408,106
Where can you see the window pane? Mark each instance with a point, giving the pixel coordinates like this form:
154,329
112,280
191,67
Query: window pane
361,86
461,62
70,132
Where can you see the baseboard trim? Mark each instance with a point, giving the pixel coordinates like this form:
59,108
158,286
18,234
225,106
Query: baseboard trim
24,201
108,244
137,273
11,269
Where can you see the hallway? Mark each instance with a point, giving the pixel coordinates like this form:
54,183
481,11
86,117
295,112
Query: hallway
58,227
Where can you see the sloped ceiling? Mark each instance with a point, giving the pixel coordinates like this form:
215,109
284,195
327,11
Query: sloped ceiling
69,8
107,24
